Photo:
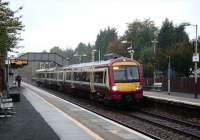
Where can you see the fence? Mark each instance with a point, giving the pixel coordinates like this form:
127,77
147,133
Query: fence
183,84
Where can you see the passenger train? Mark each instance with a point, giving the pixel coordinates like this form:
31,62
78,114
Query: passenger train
117,80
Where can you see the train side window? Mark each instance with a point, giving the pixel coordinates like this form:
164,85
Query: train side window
79,76
75,76
87,78
67,76
98,77
52,75
83,76
60,75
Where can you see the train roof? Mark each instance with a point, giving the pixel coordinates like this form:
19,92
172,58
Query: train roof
99,63
41,70
49,70
90,64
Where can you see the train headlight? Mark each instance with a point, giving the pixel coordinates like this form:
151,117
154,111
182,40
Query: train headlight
114,88
139,87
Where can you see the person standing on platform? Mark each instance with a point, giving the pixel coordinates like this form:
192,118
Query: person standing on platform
18,79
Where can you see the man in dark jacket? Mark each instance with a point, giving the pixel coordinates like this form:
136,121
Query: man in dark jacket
18,79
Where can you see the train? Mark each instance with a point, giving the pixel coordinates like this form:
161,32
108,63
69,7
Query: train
115,80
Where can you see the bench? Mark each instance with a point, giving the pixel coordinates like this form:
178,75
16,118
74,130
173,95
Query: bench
157,86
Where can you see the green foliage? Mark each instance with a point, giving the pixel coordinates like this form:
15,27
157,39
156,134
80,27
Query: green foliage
10,27
141,34
169,34
57,50
69,54
166,36
147,55
148,70
117,48
84,51
104,38
173,41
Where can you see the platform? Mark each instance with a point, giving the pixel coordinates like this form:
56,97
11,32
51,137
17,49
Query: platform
174,98
26,124
63,120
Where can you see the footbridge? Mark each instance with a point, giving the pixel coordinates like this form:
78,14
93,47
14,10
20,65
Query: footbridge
44,57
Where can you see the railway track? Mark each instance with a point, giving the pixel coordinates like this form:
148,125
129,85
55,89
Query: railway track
182,127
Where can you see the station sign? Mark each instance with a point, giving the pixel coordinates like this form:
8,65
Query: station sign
15,63
195,57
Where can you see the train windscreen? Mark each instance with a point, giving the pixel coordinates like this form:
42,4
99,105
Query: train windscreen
125,74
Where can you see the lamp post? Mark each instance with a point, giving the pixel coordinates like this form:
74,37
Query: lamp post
154,50
195,57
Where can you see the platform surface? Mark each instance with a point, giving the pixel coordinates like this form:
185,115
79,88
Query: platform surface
183,98
70,121
26,124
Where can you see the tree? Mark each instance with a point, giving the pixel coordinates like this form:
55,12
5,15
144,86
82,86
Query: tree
169,34
84,52
57,50
166,36
10,27
140,34
69,54
147,58
117,48
173,41
104,38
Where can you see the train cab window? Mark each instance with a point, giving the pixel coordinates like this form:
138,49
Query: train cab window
98,77
125,74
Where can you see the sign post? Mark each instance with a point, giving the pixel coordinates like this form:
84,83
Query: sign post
195,59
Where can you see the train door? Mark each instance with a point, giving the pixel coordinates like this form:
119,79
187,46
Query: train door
72,78
92,80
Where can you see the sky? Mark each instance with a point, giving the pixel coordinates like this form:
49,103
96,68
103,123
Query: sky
66,23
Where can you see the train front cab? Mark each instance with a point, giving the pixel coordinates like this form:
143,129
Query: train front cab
126,81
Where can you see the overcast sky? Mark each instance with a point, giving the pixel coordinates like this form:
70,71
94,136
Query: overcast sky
65,23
